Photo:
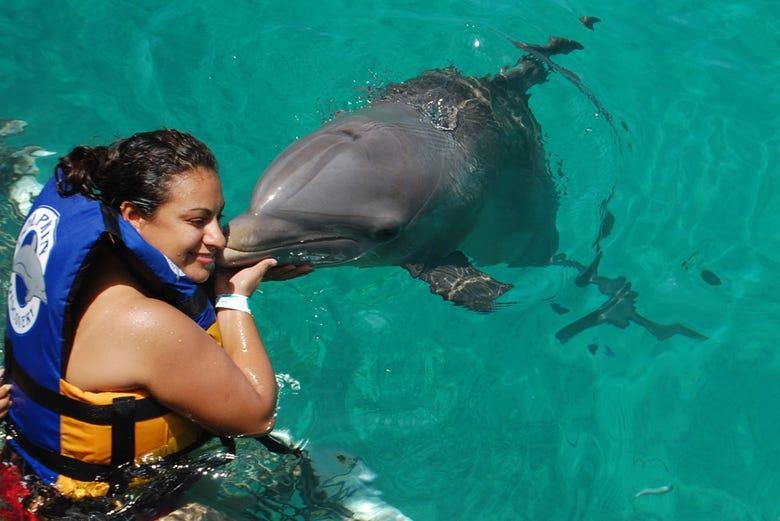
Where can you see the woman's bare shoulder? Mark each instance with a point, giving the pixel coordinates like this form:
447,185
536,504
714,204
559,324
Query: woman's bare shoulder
114,302
122,327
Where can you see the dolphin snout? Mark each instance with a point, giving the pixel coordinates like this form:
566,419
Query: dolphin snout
245,233
252,238
248,237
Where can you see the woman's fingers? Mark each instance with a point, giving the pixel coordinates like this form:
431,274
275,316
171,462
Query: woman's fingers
259,270
280,270
5,399
264,265
246,280
287,271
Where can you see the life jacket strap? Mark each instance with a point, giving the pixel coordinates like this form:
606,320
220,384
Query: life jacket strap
273,444
144,408
122,440
81,470
65,465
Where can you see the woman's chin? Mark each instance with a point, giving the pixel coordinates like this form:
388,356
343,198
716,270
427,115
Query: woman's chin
198,273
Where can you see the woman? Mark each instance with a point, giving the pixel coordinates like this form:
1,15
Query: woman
114,352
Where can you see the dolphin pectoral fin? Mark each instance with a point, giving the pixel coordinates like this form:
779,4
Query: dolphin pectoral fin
455,279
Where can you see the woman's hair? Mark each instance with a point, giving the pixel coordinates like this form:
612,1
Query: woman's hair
137,169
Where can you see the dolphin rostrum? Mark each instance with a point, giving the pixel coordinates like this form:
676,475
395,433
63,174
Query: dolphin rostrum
409,179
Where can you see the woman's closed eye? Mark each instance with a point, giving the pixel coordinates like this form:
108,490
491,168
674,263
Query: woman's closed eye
198,222
201,217
202,221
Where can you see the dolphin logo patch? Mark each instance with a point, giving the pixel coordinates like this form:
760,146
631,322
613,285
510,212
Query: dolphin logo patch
27,290
28,267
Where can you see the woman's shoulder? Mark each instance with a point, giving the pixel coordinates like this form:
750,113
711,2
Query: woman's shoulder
120,305
123,327
111,295
113,302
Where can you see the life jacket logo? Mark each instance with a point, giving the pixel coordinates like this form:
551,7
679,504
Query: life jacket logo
28,286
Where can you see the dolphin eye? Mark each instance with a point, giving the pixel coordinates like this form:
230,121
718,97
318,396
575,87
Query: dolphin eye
386,233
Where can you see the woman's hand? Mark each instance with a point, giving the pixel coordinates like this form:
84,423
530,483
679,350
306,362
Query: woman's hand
242,281
5,397
288,271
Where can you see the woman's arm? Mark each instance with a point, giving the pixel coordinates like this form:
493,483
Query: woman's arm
240,337
126,340
241,342
230,390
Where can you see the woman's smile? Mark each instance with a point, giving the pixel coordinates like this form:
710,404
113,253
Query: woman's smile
206,258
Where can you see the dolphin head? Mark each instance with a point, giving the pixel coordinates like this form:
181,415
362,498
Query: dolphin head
341,194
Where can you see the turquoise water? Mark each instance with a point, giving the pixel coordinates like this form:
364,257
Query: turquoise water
483,416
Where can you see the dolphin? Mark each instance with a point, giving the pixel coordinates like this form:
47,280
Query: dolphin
28,267
414,179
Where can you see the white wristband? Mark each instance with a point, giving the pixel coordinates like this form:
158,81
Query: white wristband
233,301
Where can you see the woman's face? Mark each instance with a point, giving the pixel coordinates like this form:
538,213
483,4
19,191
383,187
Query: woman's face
186,227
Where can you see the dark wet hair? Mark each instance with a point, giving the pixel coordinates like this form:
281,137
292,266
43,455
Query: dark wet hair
137,169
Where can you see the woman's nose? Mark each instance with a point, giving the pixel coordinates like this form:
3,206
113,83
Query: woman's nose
214,237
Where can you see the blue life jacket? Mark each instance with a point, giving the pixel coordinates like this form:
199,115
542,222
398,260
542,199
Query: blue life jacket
54,255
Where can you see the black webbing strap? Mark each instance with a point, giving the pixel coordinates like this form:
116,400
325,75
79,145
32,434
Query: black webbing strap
145,408
229,444
80,470
277,446
122,439
268,441
121,415
64,465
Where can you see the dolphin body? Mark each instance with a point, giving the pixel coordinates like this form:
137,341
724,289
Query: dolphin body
413,179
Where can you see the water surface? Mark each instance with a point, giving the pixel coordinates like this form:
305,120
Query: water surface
482,416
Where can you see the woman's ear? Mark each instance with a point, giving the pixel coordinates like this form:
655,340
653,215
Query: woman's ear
130,213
